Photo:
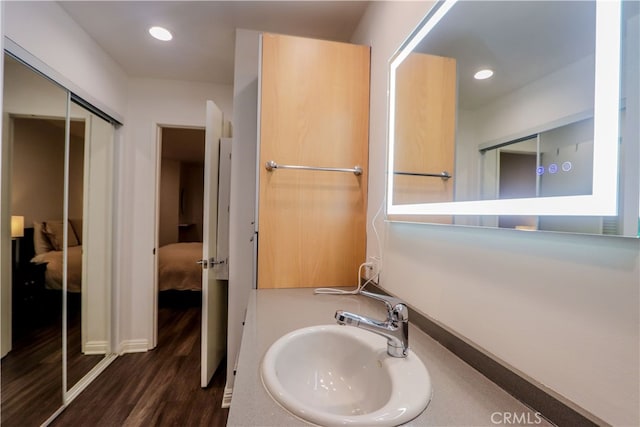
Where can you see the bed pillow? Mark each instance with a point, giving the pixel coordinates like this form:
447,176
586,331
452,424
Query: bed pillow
54,231
41,243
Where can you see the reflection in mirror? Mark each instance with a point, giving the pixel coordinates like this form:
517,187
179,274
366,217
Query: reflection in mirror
56,282
33,144
89,248
75,366
558,162
534,135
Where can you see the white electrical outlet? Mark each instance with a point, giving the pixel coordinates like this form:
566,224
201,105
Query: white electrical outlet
372,267
368,271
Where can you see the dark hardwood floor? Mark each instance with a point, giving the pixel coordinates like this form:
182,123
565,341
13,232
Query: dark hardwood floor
157,388
31,374
78,364
32,371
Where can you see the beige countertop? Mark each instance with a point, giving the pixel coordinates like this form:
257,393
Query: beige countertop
461,395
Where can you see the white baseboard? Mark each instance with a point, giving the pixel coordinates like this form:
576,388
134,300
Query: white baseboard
226,397
134,346
96,347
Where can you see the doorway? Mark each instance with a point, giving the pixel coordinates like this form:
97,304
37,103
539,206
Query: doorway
179,222
517,179
184,255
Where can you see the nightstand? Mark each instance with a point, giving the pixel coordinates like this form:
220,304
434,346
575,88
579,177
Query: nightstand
29,294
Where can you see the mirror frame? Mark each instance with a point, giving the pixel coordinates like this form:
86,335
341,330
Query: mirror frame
604,199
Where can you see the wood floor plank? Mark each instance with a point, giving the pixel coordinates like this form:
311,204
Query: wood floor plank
157,388
32,371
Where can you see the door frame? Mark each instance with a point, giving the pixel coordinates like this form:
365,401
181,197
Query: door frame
157,128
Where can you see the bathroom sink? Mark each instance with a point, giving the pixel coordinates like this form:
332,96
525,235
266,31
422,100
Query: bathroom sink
334,375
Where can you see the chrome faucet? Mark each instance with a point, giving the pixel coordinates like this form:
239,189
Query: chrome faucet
395,329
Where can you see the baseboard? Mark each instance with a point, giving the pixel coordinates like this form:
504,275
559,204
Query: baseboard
134,346
96,347
226,397
531,394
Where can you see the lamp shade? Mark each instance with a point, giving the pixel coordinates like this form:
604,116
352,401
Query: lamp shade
17,226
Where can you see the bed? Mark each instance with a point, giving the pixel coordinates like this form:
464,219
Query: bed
177,268
47,242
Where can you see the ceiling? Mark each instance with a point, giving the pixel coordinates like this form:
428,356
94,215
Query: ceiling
204,31
520,40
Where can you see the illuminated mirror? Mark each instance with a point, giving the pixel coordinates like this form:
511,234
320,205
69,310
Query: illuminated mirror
513,114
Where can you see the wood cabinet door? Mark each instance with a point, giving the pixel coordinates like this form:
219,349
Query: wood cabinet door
314,111
425,112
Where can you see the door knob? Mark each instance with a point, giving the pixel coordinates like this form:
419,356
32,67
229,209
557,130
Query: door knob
211,262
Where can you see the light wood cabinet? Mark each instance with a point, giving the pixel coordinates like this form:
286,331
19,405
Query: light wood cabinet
314,111
425,112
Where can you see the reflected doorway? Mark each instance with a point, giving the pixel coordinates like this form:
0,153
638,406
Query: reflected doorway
517,180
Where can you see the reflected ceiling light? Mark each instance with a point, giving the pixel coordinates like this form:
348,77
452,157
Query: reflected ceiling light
483,74
160,33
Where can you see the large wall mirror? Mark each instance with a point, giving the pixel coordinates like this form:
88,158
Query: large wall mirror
57,176
518,114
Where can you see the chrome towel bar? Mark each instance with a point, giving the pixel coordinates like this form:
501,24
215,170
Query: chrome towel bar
444,174
271,165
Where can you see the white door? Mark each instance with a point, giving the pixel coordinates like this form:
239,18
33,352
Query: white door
96,241
214,292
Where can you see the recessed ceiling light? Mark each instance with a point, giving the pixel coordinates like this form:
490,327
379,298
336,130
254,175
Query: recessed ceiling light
160,33
483,74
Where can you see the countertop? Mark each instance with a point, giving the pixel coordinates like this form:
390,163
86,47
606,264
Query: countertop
461,395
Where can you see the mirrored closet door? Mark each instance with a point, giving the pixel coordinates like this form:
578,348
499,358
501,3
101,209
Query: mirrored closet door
33,144
89,255
57,175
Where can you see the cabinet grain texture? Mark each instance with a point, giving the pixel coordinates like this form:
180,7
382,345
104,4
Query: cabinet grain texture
314,112
425,112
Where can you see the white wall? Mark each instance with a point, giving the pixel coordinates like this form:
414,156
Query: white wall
46,31
243,189
560,309
151,102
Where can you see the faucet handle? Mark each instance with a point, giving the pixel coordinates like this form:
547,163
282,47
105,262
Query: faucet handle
396,308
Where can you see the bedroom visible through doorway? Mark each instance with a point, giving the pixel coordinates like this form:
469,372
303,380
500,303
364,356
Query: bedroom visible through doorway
180,221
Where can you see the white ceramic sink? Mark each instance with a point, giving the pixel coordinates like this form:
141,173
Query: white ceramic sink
335,375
